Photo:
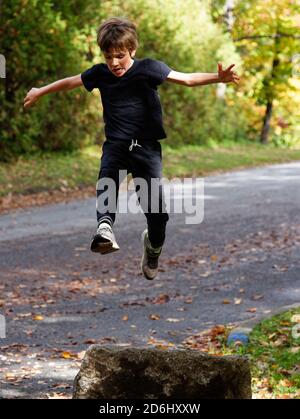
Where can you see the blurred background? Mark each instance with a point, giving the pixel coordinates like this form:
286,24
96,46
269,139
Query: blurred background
43,41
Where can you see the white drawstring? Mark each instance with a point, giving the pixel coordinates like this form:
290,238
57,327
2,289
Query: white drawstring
134,145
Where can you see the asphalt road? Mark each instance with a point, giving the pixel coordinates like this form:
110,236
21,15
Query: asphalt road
57,297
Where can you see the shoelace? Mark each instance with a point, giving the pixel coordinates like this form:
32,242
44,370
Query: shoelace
134,144
104,228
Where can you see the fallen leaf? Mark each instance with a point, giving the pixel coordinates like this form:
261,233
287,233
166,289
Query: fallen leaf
205,274
218,330
280,341
237,301
68,355
257,297
285,383
11,377
38,317
154,317
188,300
285,323
164,347
271,336
226,302
285,396
252,310
281,268
172,320
56,396
295,318
61,385
125,318
161,299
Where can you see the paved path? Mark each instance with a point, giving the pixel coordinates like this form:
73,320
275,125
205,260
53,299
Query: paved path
58,297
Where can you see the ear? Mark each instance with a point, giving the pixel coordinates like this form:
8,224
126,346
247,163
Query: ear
132,53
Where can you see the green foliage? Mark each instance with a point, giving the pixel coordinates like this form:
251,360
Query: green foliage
40,46
49,40
182,34
277,348
273,353
266,34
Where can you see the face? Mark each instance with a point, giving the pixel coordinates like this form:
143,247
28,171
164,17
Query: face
119,61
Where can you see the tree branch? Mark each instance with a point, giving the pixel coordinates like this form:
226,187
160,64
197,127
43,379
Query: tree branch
277,35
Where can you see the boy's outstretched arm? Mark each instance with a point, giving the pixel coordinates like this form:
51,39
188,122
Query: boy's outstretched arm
64,84
198,79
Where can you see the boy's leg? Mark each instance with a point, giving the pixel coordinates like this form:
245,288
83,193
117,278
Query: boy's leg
147,165
113,164
111,174
147,172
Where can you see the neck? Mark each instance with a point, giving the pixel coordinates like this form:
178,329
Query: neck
132,61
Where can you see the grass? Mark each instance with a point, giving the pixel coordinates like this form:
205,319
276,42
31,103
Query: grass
193,160
52,171
274,354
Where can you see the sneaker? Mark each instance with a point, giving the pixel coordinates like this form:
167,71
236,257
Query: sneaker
104,241
149,262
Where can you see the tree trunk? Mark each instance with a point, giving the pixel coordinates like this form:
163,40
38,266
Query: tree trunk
228,14
270,94
266,125
268,114
229,21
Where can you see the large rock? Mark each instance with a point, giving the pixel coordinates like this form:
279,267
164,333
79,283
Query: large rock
132,373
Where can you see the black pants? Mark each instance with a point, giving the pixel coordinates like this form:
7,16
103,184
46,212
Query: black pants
143,159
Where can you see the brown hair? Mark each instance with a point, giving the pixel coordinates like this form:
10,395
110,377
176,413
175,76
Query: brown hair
117,33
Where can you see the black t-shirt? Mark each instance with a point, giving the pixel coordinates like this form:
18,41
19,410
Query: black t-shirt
131,104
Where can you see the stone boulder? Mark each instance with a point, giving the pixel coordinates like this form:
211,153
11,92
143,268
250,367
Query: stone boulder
133,373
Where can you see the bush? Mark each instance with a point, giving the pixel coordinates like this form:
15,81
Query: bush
40,46
50,40
183,35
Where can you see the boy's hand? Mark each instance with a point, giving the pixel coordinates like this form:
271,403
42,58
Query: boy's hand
227,76
31,97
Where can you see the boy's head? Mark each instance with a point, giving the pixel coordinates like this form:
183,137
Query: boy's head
117,39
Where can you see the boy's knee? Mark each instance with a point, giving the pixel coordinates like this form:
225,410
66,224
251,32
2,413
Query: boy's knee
157,218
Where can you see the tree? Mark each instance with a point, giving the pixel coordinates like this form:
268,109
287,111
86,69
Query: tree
41,42
266,34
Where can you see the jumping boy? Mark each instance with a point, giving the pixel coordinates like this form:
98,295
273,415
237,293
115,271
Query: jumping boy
132,115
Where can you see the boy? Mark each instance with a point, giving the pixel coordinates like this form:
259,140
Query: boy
133,127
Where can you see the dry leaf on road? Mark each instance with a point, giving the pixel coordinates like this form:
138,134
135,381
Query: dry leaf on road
252,310
154,317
